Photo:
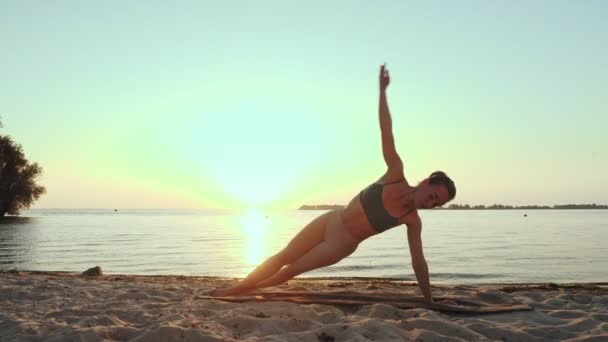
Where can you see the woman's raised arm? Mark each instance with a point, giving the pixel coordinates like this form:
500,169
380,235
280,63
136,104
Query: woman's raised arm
391,157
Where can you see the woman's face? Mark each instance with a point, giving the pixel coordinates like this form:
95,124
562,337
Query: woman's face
431,196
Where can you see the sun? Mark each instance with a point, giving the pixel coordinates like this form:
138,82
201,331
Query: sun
254,165
255,188
253,150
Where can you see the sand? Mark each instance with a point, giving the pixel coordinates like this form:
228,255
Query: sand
57,306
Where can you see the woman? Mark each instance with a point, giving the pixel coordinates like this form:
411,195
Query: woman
385,204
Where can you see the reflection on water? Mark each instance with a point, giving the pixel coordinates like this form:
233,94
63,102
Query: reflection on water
15,220
16,235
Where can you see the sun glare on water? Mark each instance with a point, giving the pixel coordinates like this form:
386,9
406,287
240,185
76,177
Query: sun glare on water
254,224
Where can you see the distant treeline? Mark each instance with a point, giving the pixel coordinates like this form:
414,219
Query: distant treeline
501,206
321,207
477,207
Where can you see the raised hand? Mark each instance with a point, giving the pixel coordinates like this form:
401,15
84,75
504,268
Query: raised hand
384,77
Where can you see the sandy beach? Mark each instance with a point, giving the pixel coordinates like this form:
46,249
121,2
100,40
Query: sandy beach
57,306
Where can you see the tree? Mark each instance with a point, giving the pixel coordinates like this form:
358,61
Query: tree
18,188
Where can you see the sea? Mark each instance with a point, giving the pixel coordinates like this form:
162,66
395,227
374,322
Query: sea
460,246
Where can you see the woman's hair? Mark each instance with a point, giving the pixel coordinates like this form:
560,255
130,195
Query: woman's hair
439,177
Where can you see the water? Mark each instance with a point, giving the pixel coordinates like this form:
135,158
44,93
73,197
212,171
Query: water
466,246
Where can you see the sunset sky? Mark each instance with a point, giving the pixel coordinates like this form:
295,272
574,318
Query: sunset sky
231,104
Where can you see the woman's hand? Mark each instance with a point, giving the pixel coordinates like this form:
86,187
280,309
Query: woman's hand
447,302
444,304
384,78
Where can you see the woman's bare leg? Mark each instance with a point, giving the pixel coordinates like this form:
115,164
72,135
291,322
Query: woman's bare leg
309,237
338,244
265,270
325,254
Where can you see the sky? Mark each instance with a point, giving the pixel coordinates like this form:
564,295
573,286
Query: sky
273,104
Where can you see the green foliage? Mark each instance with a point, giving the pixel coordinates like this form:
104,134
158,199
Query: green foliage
18,188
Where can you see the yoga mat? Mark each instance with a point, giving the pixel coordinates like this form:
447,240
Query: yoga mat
402,301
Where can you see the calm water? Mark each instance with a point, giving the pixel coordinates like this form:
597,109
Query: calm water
460,246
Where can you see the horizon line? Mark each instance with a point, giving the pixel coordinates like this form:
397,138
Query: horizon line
297,208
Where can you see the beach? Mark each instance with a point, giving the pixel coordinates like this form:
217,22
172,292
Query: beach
62,306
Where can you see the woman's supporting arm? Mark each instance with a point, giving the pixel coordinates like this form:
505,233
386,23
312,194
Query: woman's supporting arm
414,237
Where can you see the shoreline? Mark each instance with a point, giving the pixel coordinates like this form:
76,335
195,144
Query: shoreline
42,305
407,282
357,278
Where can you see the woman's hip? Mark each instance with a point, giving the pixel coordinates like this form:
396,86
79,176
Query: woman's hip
335,232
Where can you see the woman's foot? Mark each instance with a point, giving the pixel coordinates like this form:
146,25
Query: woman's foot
230,291
227,291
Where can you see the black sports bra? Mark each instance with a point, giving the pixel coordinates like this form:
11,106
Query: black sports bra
371,201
